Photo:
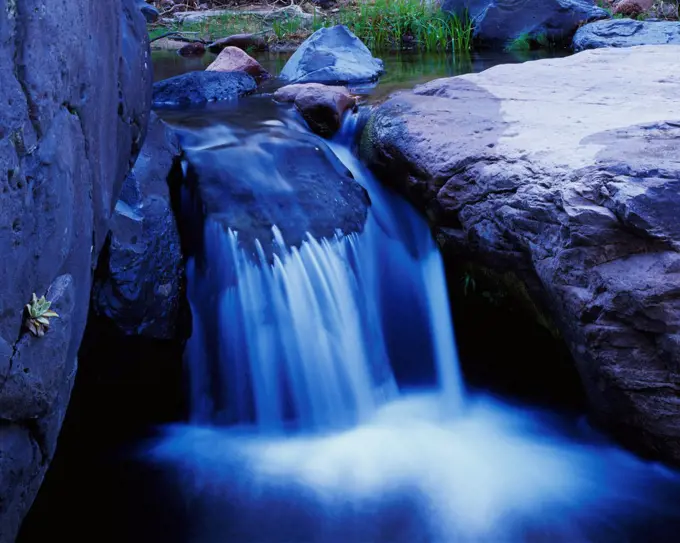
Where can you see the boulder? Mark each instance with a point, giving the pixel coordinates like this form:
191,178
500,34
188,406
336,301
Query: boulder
632,8
321,106
233,59
196,88
69,131
565,173
499,22
251,179
195,49
139,280
150,12
255,42
626,33
333,56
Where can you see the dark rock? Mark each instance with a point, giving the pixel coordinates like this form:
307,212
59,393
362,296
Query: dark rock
499,22
69,131
196,88
250,180
333,56
577,198
322,106
140,281
196,49
150,12
626,33
233,59
242,41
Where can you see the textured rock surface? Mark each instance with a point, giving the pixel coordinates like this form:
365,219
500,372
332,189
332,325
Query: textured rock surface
140,281
332,55
321,106
501,21
74,114
565,172
233,59
256,174
626,33
195,88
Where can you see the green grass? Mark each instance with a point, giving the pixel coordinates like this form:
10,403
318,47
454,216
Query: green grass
381,24
520,43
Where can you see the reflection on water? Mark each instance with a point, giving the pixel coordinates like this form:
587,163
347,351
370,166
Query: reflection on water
402,70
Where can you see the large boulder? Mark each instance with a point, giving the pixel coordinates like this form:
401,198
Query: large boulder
499,22
199,88
565,173
234,59
626,33
74,115
139,281
332,56
322,106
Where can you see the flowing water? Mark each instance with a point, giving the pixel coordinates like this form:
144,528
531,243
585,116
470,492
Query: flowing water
307,425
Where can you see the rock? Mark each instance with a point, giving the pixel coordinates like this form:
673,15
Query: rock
196,49
626,33
265,14
250,180
233,59
195,88
243,41
565,173
499,22
321,106
333,56
69,131
139,282
150,13
632,8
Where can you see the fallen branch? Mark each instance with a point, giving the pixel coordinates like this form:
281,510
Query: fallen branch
180,36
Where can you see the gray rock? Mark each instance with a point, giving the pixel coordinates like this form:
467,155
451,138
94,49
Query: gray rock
150,12
195,88
626,33
498,22
139,284
69,131
564,172
332,56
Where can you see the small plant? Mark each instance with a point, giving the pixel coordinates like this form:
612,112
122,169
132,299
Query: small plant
39,315
520,43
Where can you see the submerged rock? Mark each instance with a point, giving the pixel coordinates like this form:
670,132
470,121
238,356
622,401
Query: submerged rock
233,59
69,131
196,49
195,88
499,22
565,173
626,33
322,106
140,281
333,56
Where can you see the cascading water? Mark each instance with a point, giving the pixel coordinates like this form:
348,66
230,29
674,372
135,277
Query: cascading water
301,432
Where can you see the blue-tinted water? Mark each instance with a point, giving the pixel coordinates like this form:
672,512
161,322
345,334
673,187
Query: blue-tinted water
343,436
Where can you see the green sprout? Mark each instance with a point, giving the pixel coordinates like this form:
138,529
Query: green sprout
39,315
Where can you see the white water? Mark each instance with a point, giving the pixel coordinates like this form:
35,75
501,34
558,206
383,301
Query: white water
296,355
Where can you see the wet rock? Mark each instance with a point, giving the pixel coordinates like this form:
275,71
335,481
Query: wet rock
69,131
250,180
139,282
332,56
233,59
196,49
246,42
195,88
499,22
150,12
322,106
626,33
578,197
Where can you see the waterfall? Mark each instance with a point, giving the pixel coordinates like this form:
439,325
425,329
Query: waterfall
302,339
